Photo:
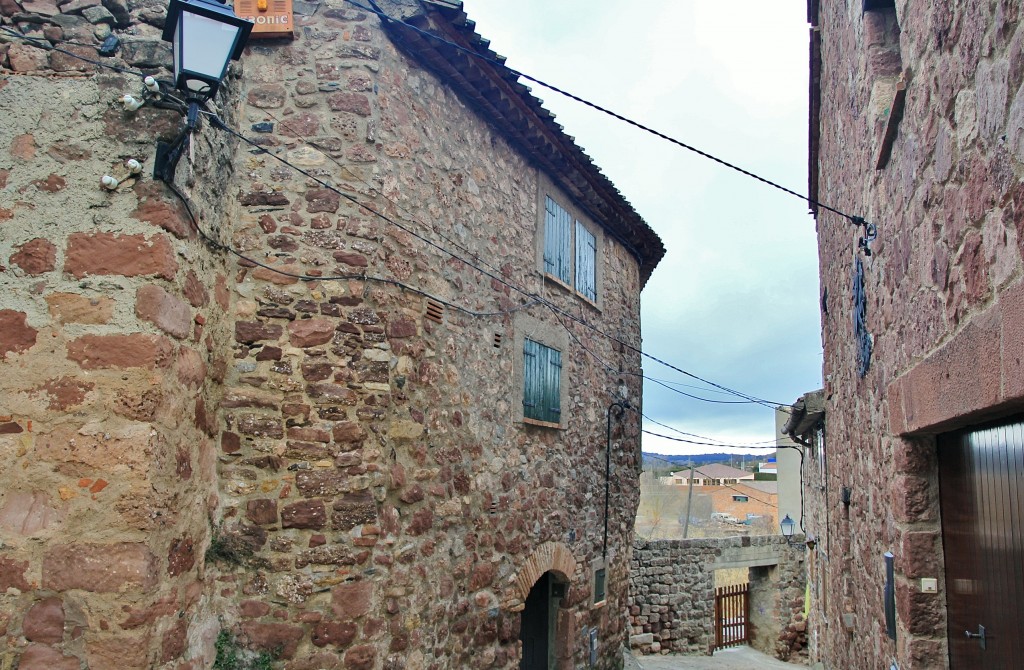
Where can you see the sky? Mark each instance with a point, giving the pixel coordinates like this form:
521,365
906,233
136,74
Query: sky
735,300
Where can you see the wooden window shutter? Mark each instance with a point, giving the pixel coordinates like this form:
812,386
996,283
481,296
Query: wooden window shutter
557,241
542,370
586,263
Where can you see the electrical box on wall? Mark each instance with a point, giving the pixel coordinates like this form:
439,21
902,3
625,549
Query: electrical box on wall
273,18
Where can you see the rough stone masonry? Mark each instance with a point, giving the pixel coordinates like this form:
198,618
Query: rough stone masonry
944,298
201,450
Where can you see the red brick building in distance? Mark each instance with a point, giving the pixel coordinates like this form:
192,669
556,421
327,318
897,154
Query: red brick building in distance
914,483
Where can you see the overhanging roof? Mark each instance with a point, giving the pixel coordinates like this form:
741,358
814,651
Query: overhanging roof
520,116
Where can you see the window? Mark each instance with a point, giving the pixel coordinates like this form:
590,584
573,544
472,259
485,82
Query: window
542,371
599,585
599,574
570,250
740,499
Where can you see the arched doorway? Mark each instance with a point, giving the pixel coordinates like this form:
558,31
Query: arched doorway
539,620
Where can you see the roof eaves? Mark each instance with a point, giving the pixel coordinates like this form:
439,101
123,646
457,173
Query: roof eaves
511,107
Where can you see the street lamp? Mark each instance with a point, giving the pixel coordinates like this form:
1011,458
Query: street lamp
206,36
788,527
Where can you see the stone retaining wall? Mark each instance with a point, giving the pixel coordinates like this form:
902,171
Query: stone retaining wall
672,593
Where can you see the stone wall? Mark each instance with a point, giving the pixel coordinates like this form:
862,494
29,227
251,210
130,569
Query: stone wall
200,445
672,593
111,333
943,294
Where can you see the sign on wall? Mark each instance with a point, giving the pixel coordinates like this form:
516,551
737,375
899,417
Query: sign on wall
273,18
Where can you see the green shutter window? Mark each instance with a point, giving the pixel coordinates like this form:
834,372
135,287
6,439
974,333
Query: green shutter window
542,371
586,263
557,241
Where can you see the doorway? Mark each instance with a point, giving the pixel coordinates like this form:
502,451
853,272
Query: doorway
537,626
981,490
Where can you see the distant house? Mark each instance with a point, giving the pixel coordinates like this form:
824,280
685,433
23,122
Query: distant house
770,467
713,474
745,501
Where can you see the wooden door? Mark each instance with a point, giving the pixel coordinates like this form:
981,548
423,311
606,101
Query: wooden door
981,482
535,626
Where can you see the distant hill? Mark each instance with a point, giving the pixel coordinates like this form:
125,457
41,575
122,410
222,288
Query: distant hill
681,461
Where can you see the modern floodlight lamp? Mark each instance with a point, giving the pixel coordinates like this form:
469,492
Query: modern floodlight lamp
206,35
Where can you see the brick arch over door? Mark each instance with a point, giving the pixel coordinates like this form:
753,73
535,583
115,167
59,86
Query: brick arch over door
549,557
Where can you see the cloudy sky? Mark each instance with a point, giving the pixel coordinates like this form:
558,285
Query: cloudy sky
735,300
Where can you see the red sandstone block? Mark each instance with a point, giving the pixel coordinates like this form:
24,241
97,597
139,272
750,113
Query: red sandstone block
118,653
253,609
128,255
360,657
1011,306
36,256
75,308
41,657
337,633
15,334
165,311
277,638
44,622
165,215
962,377
99,568
262,511
304,514
25,58
352,600
181,556
175,641
12,574
310,332
138,350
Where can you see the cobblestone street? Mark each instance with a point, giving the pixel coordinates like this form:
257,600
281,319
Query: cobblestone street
736,658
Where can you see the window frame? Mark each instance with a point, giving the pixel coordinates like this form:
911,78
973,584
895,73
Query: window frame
574,223
553,337
542,370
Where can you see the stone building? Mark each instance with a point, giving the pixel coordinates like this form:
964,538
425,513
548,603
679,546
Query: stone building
917,125
348,417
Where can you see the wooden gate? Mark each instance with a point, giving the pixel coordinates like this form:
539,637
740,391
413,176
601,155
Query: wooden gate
732,616
981,483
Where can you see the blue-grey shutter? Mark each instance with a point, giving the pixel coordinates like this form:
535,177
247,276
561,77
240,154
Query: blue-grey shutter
586,262
552,386
542,371
557,238
532,388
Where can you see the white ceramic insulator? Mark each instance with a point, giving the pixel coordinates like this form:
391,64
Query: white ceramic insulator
134,166
131,103
151,85
108,182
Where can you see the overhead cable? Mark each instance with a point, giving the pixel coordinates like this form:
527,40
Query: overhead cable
855,220
219,123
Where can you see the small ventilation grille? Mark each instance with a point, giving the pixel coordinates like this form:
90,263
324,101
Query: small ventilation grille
494,507
435,311
497,340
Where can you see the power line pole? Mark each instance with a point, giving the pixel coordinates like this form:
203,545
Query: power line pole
689,499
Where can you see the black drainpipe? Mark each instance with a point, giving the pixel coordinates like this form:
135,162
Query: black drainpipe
623,406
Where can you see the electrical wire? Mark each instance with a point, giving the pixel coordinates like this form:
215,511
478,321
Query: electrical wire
752,445
46,46
355,175
219,123
855,220
309,278
606,365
